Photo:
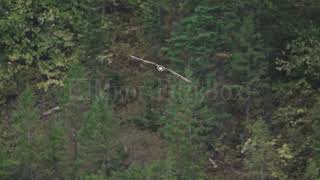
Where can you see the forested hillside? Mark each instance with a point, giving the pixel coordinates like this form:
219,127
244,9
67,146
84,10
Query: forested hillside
143,89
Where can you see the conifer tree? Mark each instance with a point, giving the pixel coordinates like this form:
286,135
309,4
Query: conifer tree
53,150
98,143
27,124
186,122
71,99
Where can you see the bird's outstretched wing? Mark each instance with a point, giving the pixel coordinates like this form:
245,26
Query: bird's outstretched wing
161,68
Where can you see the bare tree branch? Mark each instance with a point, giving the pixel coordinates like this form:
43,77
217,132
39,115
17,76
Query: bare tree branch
50,111
162,68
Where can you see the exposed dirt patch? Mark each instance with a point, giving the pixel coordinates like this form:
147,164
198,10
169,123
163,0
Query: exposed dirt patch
141,147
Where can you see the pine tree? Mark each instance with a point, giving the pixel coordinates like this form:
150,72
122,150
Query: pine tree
98,143
71,98
186,123
53,150
27,124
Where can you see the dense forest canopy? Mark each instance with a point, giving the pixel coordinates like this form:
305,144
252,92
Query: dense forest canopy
74,104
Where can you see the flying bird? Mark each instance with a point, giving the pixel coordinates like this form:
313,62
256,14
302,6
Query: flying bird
161,68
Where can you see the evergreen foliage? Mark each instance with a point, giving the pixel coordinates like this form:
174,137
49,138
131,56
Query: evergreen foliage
251,111
185,124
54,150
161,170
27,127
98,145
